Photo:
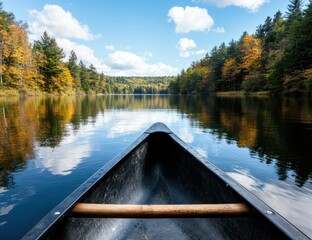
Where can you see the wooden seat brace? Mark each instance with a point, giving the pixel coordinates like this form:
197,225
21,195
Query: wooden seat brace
160,211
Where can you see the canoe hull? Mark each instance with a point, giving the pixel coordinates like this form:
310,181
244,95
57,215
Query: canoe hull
161,169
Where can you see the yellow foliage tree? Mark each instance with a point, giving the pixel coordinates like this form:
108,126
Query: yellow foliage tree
251,50
251,63
18,70
63,81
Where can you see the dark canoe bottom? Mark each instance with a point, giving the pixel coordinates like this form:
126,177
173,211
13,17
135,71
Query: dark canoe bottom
161,171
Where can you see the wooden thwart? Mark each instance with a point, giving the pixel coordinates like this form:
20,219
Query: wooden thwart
160,211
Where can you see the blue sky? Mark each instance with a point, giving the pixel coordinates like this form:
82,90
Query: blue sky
142,37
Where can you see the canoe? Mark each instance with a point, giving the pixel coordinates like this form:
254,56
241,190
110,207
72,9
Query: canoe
161,188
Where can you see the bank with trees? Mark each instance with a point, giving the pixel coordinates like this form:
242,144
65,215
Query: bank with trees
40,67
276,58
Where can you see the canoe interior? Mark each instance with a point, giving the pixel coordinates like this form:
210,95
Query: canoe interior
159,171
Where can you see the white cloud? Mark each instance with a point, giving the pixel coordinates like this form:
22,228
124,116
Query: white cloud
252,5
110,47
59,23
83,52
118,63
130,64
185,45
219,30
124,60
199,52
190,19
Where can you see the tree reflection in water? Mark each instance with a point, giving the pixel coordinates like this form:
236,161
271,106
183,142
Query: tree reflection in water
278,131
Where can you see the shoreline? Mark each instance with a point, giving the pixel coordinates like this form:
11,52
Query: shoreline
242,94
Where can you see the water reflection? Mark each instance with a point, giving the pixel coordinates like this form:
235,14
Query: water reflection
285,198
277,131
263,143
74,147
273,129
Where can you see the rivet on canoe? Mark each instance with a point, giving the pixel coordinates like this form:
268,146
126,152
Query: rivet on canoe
57,213
269,212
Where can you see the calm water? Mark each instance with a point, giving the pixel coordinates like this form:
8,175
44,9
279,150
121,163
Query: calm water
49,146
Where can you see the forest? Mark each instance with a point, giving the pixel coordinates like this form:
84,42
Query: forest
40,68
277,58
137,85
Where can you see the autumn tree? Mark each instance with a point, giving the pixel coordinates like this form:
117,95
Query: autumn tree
17,57
250,65
63,82
6,20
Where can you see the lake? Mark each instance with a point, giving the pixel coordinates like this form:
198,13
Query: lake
50,145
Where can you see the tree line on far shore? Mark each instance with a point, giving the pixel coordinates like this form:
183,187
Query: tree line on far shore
276,58
40,67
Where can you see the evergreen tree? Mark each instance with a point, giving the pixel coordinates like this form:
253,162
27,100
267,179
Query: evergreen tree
74,69
298,56
293,14
84,77
269,36
294,9
94,79
102,82
53,55
218,57
279,31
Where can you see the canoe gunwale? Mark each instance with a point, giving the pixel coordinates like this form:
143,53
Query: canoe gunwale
43,228
283,224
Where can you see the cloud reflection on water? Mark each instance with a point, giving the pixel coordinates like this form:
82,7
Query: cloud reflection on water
63,159
4,210
290,201
78,145
128,122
